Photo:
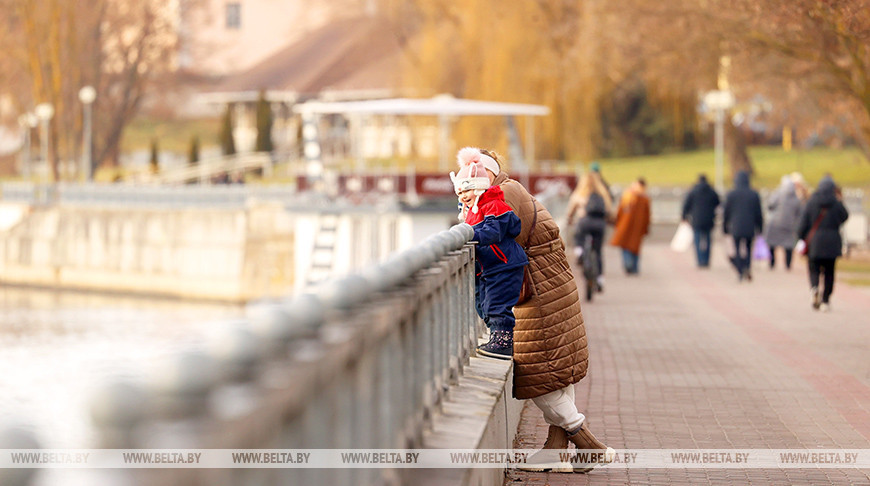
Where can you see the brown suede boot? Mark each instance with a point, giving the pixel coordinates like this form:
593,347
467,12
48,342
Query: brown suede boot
551,456
590,452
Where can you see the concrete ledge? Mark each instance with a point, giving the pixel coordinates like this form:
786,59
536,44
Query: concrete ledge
478,413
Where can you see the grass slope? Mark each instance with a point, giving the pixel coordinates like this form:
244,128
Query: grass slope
847,166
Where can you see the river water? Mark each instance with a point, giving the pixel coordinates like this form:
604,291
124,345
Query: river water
57,347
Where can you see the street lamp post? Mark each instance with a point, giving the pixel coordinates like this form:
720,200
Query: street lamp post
44,111
719,101
87,95
32,121
26,122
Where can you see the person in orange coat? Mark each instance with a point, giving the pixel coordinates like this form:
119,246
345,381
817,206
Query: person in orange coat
632,224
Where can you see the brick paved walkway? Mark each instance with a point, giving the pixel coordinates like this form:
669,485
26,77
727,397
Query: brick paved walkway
687,359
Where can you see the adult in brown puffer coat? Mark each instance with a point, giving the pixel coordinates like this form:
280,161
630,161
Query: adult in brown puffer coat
550,348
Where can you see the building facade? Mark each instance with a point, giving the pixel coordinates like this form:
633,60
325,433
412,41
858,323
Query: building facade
221,37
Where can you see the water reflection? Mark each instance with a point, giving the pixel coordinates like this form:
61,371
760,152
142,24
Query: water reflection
56,347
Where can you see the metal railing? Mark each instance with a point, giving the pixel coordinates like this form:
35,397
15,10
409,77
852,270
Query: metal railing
363,361
204,170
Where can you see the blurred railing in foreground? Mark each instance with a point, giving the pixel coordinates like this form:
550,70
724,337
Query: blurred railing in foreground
363,361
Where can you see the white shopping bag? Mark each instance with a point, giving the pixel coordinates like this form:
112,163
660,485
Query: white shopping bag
682,239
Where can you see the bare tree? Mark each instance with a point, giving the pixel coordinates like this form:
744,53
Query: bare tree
826,46
811,57
121,47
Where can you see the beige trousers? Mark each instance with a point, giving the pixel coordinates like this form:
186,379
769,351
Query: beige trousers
559,408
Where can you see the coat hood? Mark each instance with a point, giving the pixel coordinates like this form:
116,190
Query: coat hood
826,185
826,191
741,180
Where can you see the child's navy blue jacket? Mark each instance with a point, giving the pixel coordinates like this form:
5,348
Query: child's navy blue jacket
495,227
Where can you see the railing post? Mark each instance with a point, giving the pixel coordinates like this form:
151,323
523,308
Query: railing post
15,436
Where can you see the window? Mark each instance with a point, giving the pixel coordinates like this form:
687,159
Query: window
234,15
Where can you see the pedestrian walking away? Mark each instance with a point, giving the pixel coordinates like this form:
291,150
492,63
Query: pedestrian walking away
632,224
500,260
742,219
819,228
784,208
699,210
590,204
595,168
549,344
800,187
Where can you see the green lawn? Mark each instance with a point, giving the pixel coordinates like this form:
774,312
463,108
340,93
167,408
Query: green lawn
171,135
855,271
848,167
854,265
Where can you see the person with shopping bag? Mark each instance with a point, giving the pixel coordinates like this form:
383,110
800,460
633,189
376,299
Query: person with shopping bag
819,228
699,210
785,209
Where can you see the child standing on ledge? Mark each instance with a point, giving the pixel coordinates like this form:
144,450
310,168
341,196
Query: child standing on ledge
500,258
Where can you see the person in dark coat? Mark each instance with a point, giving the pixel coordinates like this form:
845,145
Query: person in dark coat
742,220
826,213
699,209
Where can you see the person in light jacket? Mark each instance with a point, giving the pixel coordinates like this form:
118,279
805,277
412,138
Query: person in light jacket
784,208
819,227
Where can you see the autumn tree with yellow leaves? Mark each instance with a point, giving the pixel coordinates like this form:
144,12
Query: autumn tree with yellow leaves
557,53
584,59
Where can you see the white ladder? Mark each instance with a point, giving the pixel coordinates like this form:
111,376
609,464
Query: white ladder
323,254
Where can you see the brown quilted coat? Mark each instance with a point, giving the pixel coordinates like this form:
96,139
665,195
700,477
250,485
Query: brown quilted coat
549,337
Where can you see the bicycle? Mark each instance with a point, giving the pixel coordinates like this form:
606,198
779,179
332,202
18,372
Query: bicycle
591,269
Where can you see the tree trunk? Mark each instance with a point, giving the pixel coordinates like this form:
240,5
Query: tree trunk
735,149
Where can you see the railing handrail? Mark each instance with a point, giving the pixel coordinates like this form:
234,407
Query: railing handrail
208,168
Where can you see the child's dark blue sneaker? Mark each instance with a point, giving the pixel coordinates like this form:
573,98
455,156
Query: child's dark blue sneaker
500,345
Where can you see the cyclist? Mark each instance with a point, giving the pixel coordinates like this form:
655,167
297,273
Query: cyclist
591,204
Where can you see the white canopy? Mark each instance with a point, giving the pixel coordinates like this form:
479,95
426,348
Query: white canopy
442,105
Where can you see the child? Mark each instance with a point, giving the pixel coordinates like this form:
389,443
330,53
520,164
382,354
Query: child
500,258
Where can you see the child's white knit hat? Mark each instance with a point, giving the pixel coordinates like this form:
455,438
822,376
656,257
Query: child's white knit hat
472,173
